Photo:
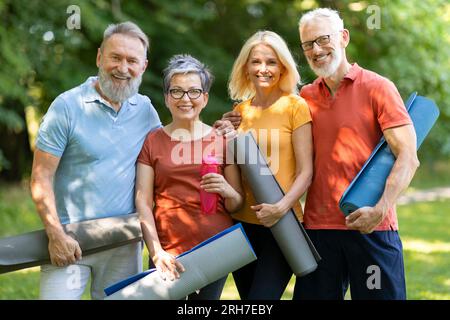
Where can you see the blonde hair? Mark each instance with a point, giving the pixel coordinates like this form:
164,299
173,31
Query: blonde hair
241,88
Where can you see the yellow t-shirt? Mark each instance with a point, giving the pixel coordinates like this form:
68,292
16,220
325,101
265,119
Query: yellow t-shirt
273,127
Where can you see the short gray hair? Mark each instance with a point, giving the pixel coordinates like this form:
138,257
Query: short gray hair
126,28
327,13
184,64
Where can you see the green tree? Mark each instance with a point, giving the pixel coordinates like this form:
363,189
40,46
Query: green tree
41,57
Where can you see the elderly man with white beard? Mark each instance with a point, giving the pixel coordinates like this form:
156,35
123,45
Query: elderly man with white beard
84,164
85,161
351,109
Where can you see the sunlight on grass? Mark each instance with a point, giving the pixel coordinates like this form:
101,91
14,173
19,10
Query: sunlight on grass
425,246
230,291
423,229
28,270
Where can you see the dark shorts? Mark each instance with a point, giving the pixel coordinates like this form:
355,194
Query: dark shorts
372,264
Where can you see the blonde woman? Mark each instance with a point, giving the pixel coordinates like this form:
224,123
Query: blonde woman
264,77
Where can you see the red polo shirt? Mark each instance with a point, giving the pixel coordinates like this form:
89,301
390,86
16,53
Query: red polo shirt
346,128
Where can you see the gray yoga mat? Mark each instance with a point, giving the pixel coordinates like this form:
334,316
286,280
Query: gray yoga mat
207,262
31,249
288,232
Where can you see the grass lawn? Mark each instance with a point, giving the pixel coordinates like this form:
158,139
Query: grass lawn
423,228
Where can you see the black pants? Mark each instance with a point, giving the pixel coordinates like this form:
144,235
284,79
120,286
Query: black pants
372,264
267,277
212,291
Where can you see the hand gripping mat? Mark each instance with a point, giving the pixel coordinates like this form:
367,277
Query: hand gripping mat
289,234
205,263
31,249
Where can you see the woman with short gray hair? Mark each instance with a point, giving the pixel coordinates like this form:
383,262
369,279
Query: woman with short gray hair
169,175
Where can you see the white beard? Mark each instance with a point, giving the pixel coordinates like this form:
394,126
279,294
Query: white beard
114,92
329,69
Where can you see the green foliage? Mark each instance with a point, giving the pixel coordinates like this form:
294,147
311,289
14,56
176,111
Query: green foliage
431,174
40,57
412,50
17,212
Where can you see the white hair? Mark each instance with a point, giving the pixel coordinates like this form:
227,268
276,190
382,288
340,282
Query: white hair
327,13
126,28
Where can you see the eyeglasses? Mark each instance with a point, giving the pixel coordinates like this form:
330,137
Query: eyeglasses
179,94
321,41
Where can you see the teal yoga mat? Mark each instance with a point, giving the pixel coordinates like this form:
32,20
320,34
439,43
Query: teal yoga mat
31,249
205,263
288,232
367,187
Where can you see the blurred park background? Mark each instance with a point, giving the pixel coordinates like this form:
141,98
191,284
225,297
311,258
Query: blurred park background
48,47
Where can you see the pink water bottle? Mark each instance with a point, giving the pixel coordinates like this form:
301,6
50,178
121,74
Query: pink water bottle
208,200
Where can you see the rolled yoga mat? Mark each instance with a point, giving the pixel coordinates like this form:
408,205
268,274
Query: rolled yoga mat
205,263
31,249
367,187
288,232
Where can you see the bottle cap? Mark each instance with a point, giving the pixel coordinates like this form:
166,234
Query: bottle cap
210,159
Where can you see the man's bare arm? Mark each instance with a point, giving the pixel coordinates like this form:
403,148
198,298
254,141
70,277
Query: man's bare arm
402,142
62,248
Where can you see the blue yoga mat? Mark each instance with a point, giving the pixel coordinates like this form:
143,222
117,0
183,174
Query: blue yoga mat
368,185
197,275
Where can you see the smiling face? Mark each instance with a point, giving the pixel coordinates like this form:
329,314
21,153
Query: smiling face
121,63
324,60
185,108
264,69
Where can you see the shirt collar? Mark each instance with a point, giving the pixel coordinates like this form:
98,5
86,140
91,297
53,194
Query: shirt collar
352,74
90,94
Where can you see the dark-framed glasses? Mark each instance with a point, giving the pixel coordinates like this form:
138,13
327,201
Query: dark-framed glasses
321,41
179,93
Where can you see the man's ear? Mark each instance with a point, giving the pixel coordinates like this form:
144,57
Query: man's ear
345,38
99,56
145,65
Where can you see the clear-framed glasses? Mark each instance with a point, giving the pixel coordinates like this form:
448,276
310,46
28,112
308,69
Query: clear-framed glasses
179,93
321,41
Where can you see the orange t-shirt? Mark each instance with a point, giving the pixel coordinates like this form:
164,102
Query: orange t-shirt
346,128
177,211
273,127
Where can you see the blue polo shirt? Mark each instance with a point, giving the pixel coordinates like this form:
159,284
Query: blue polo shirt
98,148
